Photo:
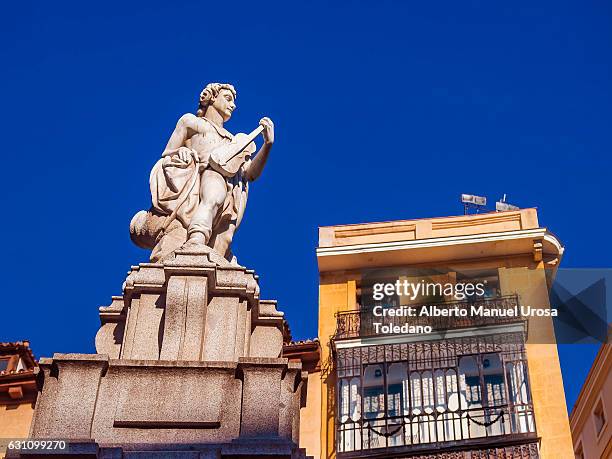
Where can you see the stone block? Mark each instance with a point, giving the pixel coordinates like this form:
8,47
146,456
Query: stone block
156,398
267,336
266,340
222,328
110,335
145,325
186,303
171,401
67,403
261,382
289,403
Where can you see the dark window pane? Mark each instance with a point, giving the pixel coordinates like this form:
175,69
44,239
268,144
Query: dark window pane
493,374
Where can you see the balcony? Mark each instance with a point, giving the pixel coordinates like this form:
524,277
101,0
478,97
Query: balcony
360,323
466,397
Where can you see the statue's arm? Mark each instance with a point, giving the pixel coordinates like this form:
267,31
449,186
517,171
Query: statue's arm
257,164
185,128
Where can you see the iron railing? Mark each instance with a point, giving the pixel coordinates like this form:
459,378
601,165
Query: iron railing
463,428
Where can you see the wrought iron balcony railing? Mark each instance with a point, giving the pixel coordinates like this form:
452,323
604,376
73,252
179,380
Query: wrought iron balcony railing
361,323
438,429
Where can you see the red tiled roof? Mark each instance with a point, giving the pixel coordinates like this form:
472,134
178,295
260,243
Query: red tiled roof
22,348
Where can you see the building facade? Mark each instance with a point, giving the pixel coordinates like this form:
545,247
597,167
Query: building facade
17,389
590,417
471,387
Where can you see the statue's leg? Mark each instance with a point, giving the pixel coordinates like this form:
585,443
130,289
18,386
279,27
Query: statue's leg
213,190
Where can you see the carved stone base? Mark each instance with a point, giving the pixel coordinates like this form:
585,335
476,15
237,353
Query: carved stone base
164,404
192,306
188,365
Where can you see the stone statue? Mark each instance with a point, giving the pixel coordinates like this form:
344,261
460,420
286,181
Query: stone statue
189,359
199,186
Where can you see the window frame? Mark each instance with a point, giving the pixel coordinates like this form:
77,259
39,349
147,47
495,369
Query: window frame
12,362
599,403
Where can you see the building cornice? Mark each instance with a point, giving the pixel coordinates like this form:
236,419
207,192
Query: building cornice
537,239
438,242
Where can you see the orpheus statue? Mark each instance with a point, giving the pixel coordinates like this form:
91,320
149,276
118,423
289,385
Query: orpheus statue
200,184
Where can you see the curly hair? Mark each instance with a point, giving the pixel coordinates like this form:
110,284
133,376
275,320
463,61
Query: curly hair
209,93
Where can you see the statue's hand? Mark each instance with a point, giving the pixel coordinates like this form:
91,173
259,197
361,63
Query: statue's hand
268,132
186,154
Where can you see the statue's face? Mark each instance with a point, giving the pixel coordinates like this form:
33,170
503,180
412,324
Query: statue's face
224,104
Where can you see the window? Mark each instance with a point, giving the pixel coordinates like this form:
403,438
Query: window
431,392
4,363
599,416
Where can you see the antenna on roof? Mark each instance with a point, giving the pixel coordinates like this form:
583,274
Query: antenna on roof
502,205
471,201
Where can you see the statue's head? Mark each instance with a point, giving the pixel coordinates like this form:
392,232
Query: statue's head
220,97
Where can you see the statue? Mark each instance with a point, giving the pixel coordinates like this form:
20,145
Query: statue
199,186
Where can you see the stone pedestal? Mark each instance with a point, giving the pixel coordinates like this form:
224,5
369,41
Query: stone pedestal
188,365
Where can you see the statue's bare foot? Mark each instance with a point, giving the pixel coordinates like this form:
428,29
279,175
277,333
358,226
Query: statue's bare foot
196,245
195,241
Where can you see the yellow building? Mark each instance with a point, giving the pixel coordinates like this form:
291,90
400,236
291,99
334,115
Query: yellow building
17,389
589,421
470,388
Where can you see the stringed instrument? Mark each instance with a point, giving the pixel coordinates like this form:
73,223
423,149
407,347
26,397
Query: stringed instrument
225,159
229,157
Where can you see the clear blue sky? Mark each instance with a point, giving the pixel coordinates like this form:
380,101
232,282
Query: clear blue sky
384,110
